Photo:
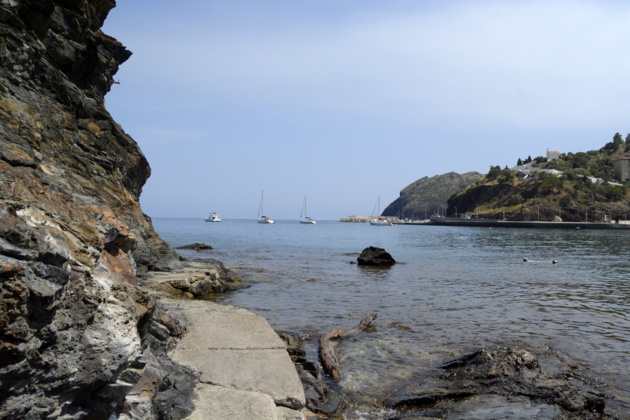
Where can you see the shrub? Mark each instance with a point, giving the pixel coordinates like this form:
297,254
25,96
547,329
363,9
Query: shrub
515,199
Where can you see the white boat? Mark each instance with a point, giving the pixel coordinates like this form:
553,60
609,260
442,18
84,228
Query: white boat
263,219
305,220
379,221
213,218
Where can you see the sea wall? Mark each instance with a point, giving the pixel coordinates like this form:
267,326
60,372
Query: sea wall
451,221
74,326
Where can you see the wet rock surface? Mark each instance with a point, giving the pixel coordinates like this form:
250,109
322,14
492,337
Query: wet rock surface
377,257
501,383
196,246
321,398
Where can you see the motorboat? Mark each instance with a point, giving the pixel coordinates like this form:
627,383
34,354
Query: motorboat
213,217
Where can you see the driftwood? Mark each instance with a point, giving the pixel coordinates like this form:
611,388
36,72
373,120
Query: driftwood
329,341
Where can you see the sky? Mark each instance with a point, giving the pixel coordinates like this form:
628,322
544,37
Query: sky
345,101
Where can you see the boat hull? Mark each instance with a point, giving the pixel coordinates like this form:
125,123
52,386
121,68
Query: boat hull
381,224
213,218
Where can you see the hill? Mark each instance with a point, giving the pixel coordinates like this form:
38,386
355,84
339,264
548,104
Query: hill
573,187
428,195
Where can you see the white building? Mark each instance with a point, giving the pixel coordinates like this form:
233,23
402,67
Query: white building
552,155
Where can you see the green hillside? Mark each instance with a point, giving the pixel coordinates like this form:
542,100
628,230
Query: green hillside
575,187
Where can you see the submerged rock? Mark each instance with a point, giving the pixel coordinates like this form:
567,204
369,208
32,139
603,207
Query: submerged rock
196,246
484,383
374,256
320,398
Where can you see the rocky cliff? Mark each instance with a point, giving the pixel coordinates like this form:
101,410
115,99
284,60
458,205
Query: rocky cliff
428,195
73,324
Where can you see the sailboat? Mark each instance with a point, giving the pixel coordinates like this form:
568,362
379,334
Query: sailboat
306,220
379,221
263,219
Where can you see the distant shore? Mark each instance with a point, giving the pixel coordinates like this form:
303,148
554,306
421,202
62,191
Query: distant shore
451,221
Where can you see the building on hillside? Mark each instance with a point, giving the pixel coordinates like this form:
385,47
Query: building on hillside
622,169
552,155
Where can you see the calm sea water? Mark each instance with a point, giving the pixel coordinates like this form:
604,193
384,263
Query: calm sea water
454,289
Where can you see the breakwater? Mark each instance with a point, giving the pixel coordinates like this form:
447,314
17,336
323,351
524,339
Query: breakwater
451,221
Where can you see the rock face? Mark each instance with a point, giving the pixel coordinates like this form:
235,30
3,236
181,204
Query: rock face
374,256
72,234
427,196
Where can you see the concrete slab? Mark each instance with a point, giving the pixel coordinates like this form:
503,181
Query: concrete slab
267,371
213,326
230,330
219,403
238,350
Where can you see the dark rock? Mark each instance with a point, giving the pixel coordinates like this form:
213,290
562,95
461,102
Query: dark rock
320,398
196,246
294,344
478,384
72,234
374,256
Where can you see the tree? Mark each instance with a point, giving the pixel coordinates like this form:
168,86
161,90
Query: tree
617,139
494,172
520,162
550,183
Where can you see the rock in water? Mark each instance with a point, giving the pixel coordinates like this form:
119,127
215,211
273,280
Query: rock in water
196,246
73,237
374,256
501,380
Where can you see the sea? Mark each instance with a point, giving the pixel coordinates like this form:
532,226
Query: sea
452,290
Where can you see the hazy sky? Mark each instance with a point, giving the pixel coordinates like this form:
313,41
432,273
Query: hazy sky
346,101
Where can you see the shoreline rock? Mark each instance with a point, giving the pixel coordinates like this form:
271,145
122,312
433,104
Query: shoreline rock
375,257
196,246
195,279
512,380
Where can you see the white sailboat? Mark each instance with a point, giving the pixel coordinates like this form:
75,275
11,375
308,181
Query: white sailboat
261,218
379,221
305,220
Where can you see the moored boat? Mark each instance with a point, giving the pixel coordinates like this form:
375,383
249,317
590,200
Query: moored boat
305,220
379,220
261,218
213,217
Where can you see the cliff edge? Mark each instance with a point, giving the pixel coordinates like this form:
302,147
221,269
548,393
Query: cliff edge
73,239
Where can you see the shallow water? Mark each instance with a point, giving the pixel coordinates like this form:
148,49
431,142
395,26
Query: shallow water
453,289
